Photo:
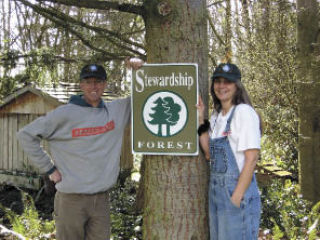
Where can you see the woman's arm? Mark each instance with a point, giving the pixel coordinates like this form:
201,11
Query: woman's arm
204,143
251,157
204,137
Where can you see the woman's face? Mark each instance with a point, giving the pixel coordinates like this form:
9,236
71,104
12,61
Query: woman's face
224,89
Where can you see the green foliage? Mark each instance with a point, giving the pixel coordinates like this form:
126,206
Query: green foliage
268,65
29,224
313,222
53,46
7,86
264,46
8,58
125,220
283,153
40,66
287,214
280,140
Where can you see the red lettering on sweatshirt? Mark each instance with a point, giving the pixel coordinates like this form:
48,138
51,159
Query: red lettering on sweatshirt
82,132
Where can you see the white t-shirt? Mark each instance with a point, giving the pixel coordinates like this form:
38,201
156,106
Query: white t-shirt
245,130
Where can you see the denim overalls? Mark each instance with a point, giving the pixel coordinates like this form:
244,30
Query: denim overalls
227,221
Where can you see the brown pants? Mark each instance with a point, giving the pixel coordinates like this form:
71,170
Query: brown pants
82,216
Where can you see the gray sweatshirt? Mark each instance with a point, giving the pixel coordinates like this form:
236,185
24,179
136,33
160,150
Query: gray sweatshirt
84,142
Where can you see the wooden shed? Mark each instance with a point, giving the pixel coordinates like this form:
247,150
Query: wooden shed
21,108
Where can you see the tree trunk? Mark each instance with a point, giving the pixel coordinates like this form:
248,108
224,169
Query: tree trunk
175,187
247,21
308,75
228,33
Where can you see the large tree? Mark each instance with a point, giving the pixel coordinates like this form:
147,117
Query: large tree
308,71
175,187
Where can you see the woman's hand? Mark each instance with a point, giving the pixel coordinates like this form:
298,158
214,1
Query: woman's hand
236,200
201,107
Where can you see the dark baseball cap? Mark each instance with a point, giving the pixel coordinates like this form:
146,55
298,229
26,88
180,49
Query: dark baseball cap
93,70
228,71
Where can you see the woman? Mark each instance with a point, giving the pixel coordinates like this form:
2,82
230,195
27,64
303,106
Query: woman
231,141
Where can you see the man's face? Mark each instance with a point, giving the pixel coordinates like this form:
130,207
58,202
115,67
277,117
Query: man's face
93,89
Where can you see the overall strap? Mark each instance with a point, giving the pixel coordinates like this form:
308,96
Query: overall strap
227,129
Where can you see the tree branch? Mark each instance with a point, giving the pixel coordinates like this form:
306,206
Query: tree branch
5,231
215,31
215,3
101,5
64,17
63,20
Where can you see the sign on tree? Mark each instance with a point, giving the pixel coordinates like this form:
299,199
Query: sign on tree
164,115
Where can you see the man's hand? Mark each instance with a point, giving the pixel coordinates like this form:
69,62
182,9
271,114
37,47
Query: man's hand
134,63
55,176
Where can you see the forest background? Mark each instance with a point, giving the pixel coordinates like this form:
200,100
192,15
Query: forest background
44,42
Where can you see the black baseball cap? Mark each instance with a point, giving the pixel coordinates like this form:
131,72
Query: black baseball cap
93,70
228,71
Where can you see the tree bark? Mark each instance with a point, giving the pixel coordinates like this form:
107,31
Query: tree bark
175,187
308,72
228,33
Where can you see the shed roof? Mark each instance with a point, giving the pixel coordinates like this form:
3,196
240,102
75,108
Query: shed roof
56,94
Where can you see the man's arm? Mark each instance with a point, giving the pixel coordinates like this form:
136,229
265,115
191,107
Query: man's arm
29,139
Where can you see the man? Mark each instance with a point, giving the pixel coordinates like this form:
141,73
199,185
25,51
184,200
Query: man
85,138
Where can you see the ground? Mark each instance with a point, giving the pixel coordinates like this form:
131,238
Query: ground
10,197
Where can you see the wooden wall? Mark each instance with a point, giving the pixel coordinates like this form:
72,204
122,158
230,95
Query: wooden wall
11,155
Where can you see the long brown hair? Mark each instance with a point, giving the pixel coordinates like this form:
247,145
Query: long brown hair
241,96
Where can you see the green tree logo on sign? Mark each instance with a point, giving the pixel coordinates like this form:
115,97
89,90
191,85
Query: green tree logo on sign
165,114
159,116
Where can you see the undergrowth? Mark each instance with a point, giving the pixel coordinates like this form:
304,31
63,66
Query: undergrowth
285,214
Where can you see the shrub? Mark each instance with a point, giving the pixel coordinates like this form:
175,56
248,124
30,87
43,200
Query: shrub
125,220
29,224
287,214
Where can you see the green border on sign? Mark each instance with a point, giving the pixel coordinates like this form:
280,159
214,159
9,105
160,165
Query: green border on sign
175,79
